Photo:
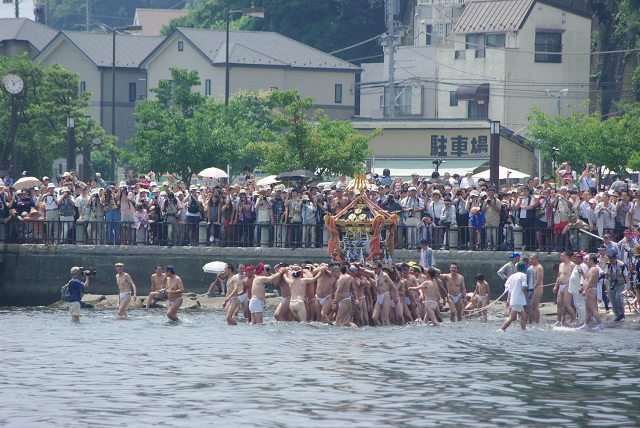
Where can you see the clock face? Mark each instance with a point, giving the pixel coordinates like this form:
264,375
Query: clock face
13,84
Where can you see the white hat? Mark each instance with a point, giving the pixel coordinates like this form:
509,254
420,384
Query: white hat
51,186
95,192
256,193
163,193
179,194
469,171
66,174
2,184
305,197
45,178
412,188
153,184
75,270
123,184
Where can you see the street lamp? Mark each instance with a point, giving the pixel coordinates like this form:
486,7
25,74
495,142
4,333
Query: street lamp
494,159
113,91
71,149
256,12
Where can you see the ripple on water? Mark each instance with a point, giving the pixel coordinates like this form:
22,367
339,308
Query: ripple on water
147,371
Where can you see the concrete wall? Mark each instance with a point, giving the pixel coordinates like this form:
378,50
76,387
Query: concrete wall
32,275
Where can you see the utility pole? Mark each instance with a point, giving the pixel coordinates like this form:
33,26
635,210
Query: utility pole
88,23
17,4
389,42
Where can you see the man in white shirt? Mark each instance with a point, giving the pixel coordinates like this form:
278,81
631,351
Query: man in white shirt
517,286
586,179
412,206
469,181
576,279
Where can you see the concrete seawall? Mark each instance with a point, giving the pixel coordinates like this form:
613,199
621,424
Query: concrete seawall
31,275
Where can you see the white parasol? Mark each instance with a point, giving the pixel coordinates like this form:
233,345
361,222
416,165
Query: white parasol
214,267
271,179
213,173
26,183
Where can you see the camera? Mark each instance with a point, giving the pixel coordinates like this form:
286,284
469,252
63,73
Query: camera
92,271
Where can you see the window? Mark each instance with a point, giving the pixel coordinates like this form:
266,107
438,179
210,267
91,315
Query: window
453,99
409,100
429,32
474,41
495,40
548,47
477,110
132,92
338,93
83,86
180,46
207,87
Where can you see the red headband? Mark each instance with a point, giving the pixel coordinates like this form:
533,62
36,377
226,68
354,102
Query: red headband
249,268
260,268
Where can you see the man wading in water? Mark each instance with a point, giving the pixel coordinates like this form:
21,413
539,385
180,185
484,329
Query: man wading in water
175,291
456,290
126,288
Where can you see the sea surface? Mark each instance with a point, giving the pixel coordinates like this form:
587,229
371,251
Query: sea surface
199,372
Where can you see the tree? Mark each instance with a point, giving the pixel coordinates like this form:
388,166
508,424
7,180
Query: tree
51,95
321,145
587,138
183,132
324,25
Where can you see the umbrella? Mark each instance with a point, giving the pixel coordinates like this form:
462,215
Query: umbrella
271,179
213,173
27,182
502,174
298,174
214,267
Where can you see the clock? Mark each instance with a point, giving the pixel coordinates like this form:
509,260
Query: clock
13,84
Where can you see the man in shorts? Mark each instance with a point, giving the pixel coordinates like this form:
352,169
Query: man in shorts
258,292
76,288
517,286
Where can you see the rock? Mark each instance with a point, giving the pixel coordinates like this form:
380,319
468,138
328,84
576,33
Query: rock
190,294
59,304
190,305
92,299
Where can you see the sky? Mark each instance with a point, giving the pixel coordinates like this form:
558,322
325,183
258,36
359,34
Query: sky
26,9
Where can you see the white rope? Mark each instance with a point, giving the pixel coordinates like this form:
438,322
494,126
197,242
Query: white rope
497,300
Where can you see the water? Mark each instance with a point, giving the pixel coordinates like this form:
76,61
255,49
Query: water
147,371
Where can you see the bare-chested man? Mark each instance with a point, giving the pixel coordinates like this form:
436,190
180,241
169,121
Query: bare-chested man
235,288
483,294
432,296
310,294
283,313
127,289
158,292
590,293
175,292
361,311
298,285
258,292
539,288
456,290
383,285
345,288
409,280
562,288
325,290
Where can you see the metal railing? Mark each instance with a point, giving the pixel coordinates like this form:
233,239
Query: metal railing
487,238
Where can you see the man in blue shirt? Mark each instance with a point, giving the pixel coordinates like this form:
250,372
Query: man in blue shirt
76,287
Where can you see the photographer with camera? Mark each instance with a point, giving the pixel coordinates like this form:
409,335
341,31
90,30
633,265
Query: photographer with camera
76,288
112,208
66,204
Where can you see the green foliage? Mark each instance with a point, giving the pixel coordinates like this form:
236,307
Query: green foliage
325,25
72,14
51,96
587,139
183,132
322,145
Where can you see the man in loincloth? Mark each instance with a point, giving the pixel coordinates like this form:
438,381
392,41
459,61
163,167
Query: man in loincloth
483,294
382,305
590,292
258,292
127,289
325,289
562,288
576,281
283,313
431,295
250,274
235,287
158,292
298,284
345,287
175,292
539,288
456,290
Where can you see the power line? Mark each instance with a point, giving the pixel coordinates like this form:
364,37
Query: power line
357,44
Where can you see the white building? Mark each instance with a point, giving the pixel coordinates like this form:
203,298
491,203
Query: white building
501,58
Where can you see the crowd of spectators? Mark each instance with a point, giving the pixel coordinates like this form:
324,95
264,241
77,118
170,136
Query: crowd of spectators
551,211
